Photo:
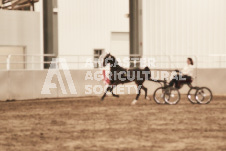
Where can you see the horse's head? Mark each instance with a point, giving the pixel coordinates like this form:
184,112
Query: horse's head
109,59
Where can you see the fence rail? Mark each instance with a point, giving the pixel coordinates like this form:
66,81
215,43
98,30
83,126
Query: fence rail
36,61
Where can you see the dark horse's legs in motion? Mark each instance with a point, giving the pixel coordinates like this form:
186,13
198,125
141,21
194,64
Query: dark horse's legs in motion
138,93
146,92
109,88
113,92
139,87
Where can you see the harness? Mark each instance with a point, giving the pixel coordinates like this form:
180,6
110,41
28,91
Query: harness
106,79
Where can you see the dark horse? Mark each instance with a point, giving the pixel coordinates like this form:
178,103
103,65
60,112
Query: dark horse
120,75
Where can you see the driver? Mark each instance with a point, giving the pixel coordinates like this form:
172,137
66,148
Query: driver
185,74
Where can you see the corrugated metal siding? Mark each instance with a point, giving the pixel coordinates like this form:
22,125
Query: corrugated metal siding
185,27
87,24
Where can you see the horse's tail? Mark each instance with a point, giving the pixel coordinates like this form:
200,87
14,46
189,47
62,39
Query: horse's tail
147,69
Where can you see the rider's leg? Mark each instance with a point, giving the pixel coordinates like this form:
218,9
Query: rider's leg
174,81
187,78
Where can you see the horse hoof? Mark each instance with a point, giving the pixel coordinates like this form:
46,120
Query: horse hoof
147,98
117,96
134,102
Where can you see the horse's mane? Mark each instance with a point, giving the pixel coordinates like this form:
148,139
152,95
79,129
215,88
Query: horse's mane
115,60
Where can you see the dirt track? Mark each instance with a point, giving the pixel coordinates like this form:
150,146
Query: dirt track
87,124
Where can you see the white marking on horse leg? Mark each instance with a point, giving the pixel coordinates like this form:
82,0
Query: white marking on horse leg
147,98
134,102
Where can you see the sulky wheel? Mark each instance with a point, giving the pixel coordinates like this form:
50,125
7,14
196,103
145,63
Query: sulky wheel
191,95
203,95
172,96
159,95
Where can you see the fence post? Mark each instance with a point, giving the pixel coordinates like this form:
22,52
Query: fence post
196,68
220,65
8,62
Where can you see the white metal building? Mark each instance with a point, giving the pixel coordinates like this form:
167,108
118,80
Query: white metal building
175,28
85,25
186,27
89,26
193,28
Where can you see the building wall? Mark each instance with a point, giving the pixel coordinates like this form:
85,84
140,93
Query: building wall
177,28
21,28
39,9
6,51
85,25
185,27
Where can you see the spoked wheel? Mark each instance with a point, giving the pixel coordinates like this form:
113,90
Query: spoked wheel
172,96
203,95
191,95
159,95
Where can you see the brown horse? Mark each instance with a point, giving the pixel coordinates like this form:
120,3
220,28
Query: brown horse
120,75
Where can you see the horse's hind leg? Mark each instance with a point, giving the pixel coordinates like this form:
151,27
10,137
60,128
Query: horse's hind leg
113,92
108,88
138,94
146,92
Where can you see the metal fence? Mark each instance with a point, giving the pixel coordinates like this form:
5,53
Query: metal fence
37,62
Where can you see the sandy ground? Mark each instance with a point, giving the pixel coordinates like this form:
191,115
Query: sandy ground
75,124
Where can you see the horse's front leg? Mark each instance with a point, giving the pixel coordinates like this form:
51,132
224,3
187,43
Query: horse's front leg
113,92
108,89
